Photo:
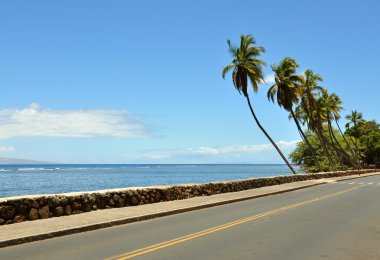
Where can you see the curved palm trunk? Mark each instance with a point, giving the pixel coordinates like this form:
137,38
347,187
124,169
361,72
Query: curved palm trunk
334,148
353,160
306,140
319,135
267,135
339,149
348,145
352,140
339,152
336,152
323,144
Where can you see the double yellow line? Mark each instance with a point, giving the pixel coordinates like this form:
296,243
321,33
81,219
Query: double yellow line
168,243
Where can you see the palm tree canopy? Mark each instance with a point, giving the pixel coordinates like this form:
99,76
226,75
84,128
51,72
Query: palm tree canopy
300,114
356,118
327,108
310,85
286,88
245,65
310,90
332,105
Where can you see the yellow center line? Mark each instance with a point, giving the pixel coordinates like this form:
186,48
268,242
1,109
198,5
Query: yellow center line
168,243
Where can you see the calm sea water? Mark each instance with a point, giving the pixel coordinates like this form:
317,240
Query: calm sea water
48,179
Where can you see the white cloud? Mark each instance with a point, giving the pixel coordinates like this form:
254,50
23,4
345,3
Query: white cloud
34,121
254,148
207,153
269,79
5,149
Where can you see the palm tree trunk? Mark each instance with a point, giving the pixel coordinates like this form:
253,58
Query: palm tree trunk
323,144
354,142
306,140
356,130
348,145
318,134
339,150
353,160
267,135
333,146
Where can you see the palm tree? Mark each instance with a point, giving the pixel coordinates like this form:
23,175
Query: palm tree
336,107
286,90
310,88
330,106
247,67
355,119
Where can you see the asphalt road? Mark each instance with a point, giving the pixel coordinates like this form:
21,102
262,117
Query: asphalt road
332,221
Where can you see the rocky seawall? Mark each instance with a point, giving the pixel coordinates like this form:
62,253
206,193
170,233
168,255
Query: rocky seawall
42,207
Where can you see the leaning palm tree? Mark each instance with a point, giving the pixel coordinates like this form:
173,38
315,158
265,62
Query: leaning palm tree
355,119
320,118
310,89
335,108
286,90
330,107
247,67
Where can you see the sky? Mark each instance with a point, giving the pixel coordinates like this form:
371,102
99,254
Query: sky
140,81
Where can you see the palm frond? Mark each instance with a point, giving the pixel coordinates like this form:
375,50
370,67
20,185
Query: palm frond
227,69
247,68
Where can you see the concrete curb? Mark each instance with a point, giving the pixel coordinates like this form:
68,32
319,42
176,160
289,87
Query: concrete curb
128,220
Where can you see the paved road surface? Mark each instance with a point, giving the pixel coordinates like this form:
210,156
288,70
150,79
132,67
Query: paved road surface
332,221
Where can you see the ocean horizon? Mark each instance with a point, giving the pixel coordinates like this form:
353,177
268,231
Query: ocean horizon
30,179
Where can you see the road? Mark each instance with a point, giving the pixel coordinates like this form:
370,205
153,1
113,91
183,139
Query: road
336,221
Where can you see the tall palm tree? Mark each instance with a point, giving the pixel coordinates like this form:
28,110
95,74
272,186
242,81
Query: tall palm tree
355,119
320,118
286,90
336,107
310,89
330,107
247,67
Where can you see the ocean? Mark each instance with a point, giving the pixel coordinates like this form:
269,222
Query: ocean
49,179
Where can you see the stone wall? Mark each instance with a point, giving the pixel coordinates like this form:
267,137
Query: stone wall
33,208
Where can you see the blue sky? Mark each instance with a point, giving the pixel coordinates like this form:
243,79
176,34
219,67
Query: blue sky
140,81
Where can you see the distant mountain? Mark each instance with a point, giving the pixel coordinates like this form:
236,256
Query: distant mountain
20,161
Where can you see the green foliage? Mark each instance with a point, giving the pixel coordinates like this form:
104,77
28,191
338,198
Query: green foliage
369,141
246,66
368,145
285,89
355,119
303,156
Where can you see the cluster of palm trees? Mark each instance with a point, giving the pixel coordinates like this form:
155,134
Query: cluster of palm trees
307,102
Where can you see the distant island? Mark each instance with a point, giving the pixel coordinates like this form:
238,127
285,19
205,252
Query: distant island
20,161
